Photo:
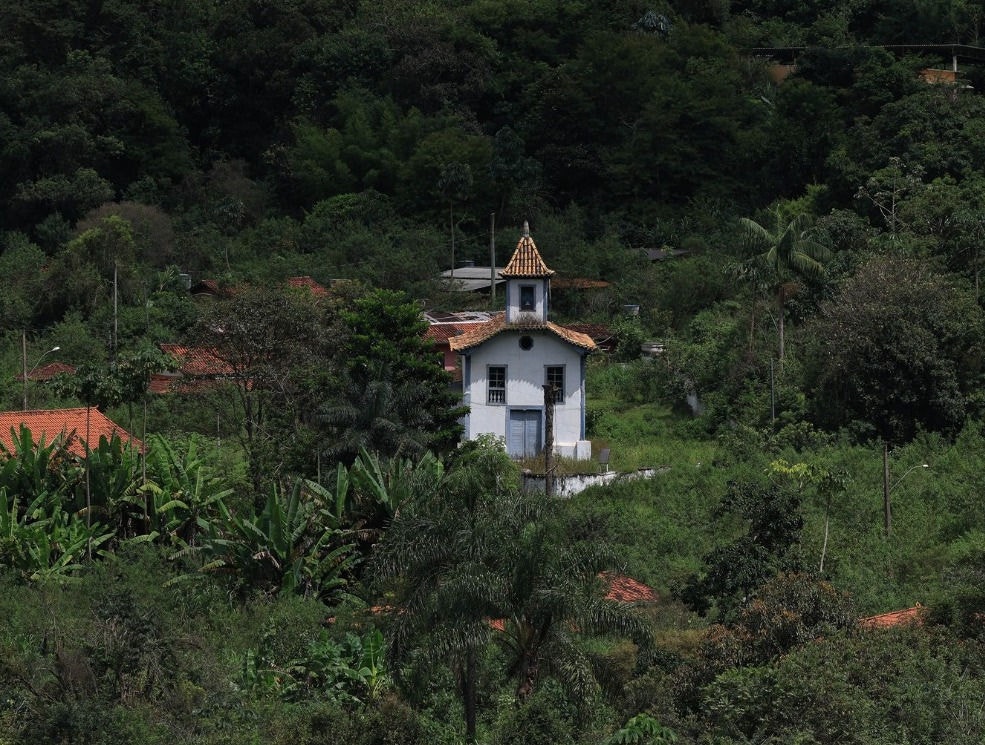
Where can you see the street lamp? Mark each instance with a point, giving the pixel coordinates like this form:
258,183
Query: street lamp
26,373
887,488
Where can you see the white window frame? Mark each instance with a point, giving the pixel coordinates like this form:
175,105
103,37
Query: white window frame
559,390
495,395
524,289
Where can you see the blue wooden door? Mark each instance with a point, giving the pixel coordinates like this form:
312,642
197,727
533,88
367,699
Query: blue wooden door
524,438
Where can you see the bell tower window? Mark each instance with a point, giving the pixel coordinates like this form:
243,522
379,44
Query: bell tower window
527,298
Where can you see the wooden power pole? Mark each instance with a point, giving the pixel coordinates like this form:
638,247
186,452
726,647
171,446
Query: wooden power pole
549,440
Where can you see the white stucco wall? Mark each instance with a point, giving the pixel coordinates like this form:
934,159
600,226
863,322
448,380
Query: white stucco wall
514,314
525,372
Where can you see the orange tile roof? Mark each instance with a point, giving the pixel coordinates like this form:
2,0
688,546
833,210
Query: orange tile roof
619,588
170,383
307,283
160,383
526,260
628,590
47,372
908,616
50,423
603,336
198,361
442,333
578,283
485,331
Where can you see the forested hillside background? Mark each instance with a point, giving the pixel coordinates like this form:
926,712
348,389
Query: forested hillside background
305,556
250,142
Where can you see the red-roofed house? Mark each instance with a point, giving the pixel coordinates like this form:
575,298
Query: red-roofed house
307,283
47,372
212,288
76,426
628,590
198,362
198,368
618,588
906,617
442,327
507,361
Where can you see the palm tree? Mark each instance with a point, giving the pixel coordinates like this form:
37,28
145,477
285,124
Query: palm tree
556,595
792,250
369,415
474,554
439,553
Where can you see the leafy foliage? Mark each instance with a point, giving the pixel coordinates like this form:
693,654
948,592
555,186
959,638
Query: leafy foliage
296,544
896,351
769,546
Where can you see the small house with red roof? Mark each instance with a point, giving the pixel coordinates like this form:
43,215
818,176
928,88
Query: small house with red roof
307,284
442,327
507,361
906,617
76,427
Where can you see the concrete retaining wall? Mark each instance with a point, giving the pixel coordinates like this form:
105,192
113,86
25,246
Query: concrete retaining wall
571,484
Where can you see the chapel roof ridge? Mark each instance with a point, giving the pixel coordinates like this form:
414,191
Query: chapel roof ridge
526,260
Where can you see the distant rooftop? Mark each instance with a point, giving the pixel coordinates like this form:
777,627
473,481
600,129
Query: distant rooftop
470,278
953,50
906,617
77,426
462,316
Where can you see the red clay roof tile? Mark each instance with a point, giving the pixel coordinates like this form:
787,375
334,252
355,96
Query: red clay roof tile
198,361
485,331
307,283
628,590
71,423
908,616
441,333
526,260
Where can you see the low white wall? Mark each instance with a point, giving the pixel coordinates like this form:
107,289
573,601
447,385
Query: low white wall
571,484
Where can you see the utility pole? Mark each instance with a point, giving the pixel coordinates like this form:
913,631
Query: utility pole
887,507
492,259
24,355
451,225
116,327
549,440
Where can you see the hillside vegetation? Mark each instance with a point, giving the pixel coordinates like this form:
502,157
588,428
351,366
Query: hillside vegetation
305,555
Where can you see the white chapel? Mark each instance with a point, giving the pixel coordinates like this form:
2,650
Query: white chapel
507,361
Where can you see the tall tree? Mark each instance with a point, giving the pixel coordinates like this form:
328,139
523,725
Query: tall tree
271,350
394,396
792,250
470,554
896,350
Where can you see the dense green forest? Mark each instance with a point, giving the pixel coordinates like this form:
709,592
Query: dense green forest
304,554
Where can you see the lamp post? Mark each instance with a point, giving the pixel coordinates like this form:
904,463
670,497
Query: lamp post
887,488
24,357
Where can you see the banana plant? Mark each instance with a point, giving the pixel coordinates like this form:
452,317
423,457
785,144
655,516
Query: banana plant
381,487
43,541
295,544
182,497
348,670
31,468
113,473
